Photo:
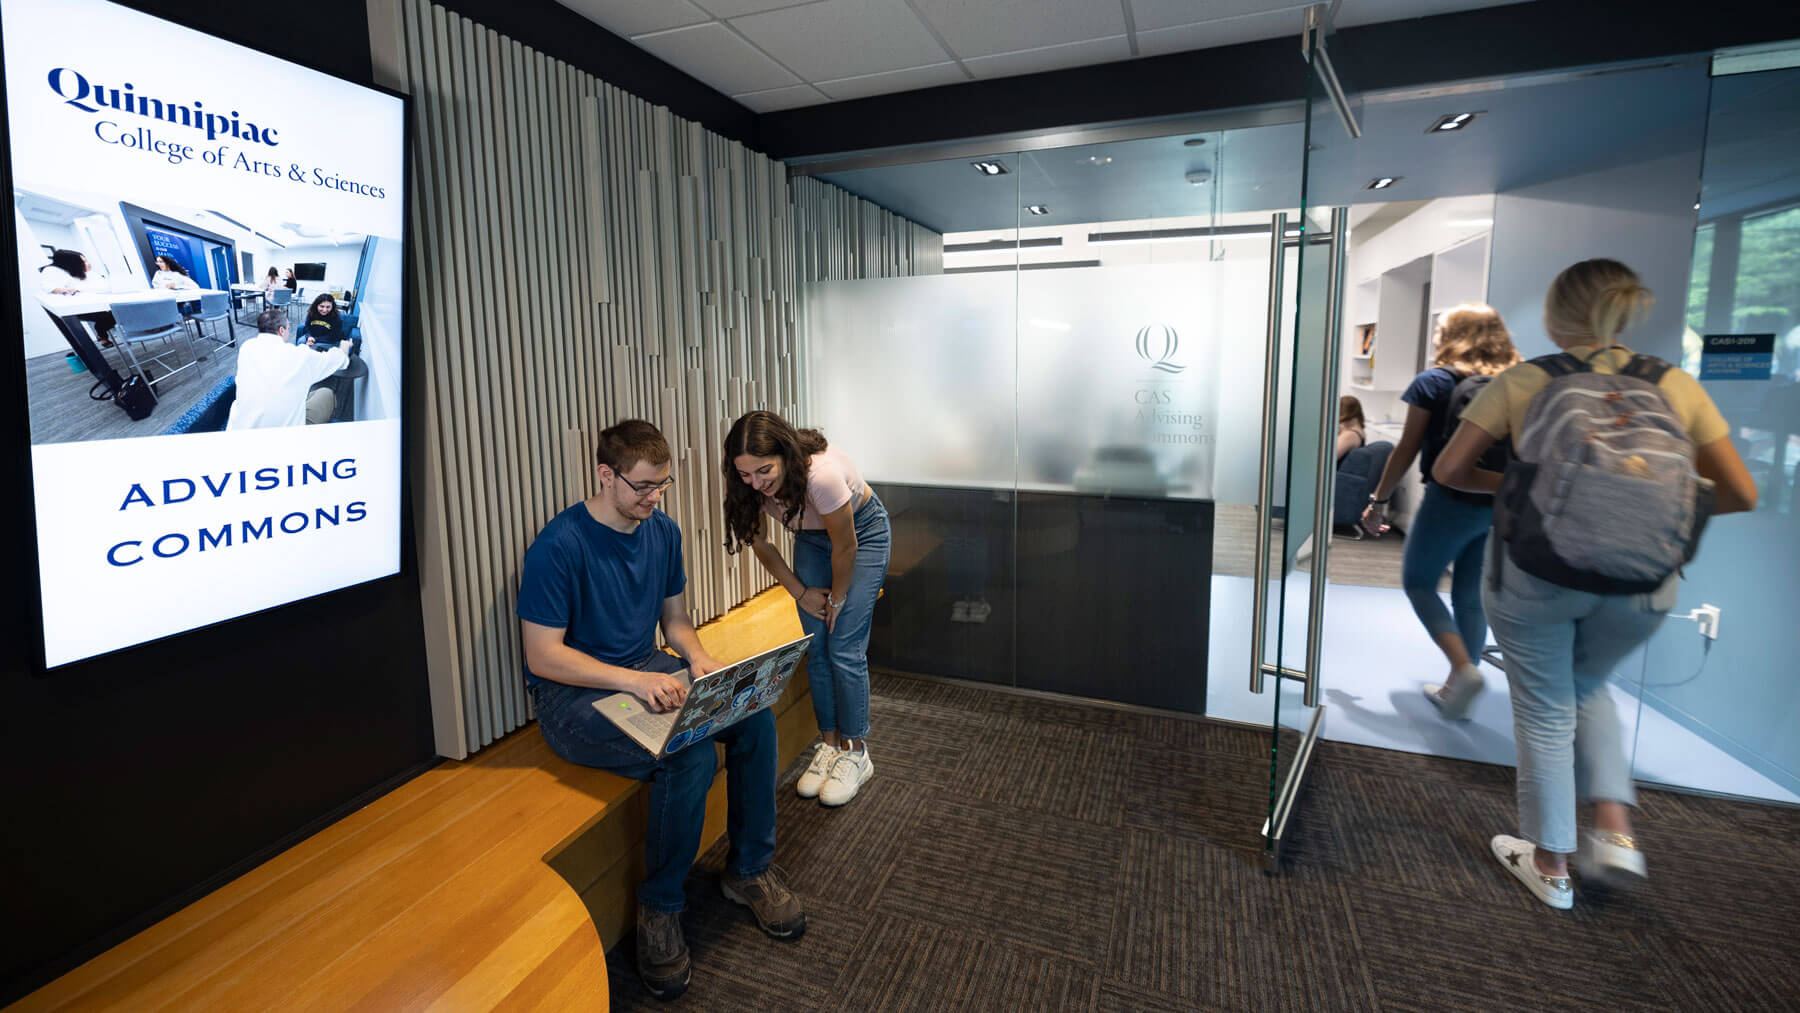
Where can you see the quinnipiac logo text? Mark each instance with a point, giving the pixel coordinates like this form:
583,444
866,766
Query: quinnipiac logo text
76,90
1157,344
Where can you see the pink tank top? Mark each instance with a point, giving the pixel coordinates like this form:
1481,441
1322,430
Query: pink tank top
831,481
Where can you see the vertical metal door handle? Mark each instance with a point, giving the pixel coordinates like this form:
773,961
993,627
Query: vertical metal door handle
1259,588
1327,472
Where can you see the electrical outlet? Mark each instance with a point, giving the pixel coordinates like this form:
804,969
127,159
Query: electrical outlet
1707,618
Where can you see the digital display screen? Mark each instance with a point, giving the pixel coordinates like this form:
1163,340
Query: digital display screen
204,445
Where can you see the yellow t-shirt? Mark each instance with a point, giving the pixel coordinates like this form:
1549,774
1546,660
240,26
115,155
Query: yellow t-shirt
1499,410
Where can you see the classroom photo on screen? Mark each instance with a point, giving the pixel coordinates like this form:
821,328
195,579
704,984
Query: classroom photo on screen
144,319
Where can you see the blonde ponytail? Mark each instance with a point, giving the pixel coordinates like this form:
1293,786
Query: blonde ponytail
1592,302
1617,307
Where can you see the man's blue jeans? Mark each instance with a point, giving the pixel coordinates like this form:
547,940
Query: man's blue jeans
837,663
1560,646
678,782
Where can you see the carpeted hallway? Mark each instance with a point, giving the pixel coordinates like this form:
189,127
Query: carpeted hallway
1013,853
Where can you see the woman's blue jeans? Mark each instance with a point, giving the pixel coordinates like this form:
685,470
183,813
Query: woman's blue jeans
678,782
837,663
1446,532
1560,647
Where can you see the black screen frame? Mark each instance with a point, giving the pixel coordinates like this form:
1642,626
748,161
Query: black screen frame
26,597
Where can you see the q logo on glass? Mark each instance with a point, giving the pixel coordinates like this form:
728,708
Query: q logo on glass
1157,344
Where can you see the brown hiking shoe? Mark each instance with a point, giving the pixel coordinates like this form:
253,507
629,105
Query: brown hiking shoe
767,896
662,954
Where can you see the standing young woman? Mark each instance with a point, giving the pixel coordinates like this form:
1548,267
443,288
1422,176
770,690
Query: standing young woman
1561,643
1451,526
773,470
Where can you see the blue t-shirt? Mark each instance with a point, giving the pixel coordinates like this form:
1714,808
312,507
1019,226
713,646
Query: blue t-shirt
603,588
1431,391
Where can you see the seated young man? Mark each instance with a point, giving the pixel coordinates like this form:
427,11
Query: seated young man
598,579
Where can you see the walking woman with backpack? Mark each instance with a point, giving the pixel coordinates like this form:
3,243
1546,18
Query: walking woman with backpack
1618,459
1450,528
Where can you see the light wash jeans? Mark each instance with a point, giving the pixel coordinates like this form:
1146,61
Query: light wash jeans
1560,647
837,663
1447,532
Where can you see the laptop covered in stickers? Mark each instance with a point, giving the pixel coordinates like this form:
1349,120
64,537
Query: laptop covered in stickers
714,703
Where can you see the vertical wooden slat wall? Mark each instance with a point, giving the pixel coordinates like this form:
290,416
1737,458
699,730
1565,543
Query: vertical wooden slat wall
581,256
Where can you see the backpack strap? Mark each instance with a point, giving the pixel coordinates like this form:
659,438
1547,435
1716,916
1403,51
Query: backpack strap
1647,368
1561,364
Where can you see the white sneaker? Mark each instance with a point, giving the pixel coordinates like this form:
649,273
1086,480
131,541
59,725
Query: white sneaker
959,612
1605,854
979,610
848,772
1516,857
1459,691
816,771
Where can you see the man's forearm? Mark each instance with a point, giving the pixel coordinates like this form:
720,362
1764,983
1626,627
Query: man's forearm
571,667
685,639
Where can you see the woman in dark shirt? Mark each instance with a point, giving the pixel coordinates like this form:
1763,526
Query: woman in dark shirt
324,325
1451,526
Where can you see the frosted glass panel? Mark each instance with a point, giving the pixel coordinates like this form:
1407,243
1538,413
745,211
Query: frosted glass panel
1144,378
915,376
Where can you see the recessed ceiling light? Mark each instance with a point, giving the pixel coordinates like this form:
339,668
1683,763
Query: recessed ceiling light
1451,121
989,168
1098,160
1037,209
1194,142
1382,182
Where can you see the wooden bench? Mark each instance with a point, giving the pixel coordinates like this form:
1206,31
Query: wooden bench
495,882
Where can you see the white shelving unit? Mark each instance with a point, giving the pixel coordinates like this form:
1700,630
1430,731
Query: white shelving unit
1459,275
1393,303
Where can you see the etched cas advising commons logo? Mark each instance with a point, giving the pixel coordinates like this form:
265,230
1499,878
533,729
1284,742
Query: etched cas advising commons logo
1157,345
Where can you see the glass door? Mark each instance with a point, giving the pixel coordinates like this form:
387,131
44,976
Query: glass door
1717,701
1298,470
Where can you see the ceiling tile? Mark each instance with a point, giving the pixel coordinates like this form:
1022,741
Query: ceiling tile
776,99
843,38
712,53
1368,12
1031,61
738,8
634,17
865,85
1005,26
1150,15
1230,31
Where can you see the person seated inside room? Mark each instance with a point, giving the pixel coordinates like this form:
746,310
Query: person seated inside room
1350,426
275,379
171,275
70,273
290,281
325,326
271,283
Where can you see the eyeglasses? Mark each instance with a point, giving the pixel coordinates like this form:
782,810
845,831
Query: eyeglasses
648,487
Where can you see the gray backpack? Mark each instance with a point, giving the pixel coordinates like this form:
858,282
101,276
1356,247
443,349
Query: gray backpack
1601,494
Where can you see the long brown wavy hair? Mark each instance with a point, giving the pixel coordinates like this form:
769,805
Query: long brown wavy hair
1474,341
765,434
